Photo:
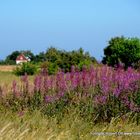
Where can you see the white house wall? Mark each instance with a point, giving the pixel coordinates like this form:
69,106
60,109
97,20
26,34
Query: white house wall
19,62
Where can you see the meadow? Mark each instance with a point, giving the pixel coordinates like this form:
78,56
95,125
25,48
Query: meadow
70,105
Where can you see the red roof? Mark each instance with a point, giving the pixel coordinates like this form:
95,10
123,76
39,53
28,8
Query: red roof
21,57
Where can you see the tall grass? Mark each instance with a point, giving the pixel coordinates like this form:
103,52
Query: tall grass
7,78
36,126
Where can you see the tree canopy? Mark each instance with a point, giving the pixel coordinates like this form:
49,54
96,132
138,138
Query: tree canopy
122,50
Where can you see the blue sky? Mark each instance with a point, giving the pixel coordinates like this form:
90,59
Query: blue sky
66,24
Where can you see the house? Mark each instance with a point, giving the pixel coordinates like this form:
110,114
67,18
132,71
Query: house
22,59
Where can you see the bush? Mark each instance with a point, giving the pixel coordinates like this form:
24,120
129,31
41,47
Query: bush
27,68
86,62
51,68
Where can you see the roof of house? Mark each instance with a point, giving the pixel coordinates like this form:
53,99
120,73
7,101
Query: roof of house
21,57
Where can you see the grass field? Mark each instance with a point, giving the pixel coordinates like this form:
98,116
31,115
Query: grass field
6,75
8,68
34,125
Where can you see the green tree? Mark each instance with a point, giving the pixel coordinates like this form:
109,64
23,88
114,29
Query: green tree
11,59
64,60
122,50
52,54
41,57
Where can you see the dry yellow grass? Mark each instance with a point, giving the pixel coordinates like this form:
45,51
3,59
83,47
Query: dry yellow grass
36,126
7,77
6,68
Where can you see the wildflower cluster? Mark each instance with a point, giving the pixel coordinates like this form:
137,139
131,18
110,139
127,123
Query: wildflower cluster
99,92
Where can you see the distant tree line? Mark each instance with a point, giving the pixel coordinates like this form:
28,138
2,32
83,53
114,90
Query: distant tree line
54,58
120,50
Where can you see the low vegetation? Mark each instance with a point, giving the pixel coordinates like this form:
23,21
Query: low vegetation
37,126
25,68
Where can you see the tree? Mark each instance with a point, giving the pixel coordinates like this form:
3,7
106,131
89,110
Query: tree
122,50
41,57
11,59
52,54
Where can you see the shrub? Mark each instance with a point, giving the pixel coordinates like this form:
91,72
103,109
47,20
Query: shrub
27,68
86,62
51,68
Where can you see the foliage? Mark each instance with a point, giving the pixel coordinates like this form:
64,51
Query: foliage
2,62
51,68
61,59
27,68
41,57
11,59
122,50
84,63
56,59
64,60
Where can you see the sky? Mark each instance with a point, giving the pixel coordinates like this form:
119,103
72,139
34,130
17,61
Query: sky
66,24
